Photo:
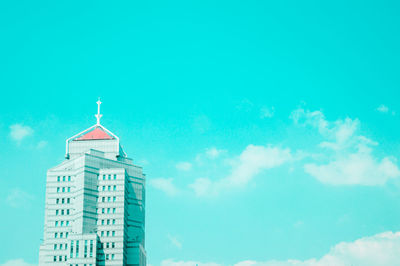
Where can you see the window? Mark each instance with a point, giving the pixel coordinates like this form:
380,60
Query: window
108,233
56,223
109,199
115,188
67,211
102,233
102,222
109,188
61,235
62,212
58,179
68,200
55,258
60,258
58,189
115,177
69,178
66,246
63,189
55,235
55,246
77,249
114,199
57,200
56,212
85,254
108,221
72,249
104,188
66,234
102,210
91,249
108,210
107,245
65,257
113,245
113,210
109,177
62,224
113,233
107,256
113,221
62,201
103,199
112,256
104,177
69,189
63,178
67,223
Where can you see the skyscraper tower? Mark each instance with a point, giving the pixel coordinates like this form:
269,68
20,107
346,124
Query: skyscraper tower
95,204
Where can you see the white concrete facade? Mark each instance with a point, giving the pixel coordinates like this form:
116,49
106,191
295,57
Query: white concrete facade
95,205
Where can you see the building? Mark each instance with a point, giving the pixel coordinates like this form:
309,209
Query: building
95,204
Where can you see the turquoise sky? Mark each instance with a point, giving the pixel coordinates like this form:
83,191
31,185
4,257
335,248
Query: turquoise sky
268,130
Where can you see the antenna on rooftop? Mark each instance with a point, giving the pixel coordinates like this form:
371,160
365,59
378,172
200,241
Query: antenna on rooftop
98,115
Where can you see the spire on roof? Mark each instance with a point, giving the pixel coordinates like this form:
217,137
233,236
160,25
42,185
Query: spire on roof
98,115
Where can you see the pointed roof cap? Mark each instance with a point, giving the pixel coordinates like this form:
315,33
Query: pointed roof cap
98,133
95,132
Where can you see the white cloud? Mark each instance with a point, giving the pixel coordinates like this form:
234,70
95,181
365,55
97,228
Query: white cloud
267,112
251,162
18,132
382,108
349,154
166,185
315,119
172,262
17,262
174,241
202,187
381,249
19,198
41,144
358,168
183,166
213,152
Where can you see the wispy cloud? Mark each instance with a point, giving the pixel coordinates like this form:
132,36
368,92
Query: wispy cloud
384,109
213,152
359,168
174,241
172,262
251,162
41,144
210,153
165,184
380,249
349,158
267,112
17,262
18,198
18,132
183,166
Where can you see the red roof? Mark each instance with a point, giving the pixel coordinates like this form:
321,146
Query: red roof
97,133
